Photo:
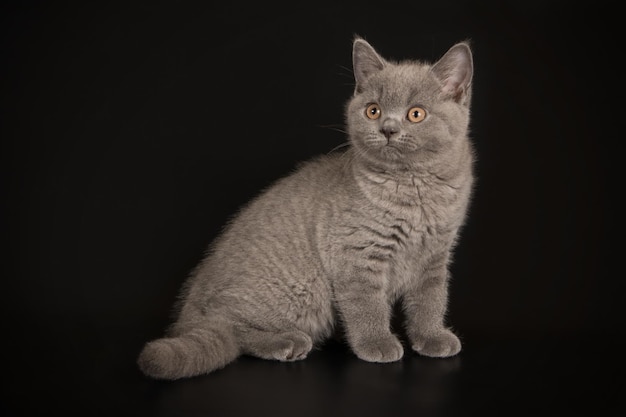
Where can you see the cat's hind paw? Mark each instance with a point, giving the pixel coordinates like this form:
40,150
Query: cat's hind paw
292,347
440,345
285,347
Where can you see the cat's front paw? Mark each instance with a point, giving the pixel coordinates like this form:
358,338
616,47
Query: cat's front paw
438,345
380,349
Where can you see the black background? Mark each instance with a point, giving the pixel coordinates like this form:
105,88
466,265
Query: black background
132,131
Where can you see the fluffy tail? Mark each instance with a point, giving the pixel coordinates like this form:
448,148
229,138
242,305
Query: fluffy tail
197,352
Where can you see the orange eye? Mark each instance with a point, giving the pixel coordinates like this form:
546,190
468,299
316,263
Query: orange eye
416,114
373,111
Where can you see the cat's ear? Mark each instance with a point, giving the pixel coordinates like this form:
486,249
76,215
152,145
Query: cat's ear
365,62
454,70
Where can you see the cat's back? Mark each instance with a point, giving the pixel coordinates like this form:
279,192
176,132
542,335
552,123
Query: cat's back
310,184
278,226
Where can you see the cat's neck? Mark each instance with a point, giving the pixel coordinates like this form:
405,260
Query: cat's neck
406,186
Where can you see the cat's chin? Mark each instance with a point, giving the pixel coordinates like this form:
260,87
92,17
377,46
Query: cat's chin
391,153
385,161
392,157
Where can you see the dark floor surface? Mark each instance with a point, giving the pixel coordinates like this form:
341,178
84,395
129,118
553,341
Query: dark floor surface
95,375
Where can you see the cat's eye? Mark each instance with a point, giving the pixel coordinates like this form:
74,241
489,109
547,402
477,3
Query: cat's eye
416,114
373,111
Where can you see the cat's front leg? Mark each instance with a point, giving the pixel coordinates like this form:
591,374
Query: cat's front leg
425,305
366,315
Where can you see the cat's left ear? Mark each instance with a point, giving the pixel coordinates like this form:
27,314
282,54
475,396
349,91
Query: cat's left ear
455,70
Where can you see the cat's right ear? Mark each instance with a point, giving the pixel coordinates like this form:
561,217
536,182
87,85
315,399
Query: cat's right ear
365,62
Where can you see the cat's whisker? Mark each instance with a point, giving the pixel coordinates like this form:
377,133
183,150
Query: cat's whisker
351,156
348,72
338,147
337,128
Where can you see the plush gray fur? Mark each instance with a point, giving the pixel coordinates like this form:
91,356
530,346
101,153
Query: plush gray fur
344,236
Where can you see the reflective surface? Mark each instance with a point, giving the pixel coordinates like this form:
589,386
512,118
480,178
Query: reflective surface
95,374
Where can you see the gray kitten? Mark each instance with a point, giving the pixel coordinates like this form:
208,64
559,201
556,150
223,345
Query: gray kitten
345,236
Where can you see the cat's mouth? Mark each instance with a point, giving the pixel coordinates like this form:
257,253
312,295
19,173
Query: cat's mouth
396,151
390,154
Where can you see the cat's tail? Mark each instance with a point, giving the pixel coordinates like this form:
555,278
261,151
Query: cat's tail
196,352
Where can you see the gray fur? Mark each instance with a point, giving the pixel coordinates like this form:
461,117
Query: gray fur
343,237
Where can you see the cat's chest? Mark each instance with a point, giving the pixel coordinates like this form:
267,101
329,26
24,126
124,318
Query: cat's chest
424,203
386,226
386,244
392,233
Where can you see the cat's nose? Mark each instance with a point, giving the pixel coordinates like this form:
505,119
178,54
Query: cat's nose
388,131
389,128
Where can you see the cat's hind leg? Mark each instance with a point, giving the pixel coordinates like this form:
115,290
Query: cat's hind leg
283,346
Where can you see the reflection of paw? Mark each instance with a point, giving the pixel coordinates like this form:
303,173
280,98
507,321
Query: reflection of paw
382,349
438,345
292,347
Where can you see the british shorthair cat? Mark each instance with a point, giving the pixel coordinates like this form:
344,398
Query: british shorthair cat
343,237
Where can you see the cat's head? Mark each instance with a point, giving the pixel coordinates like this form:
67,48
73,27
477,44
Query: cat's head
409,114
